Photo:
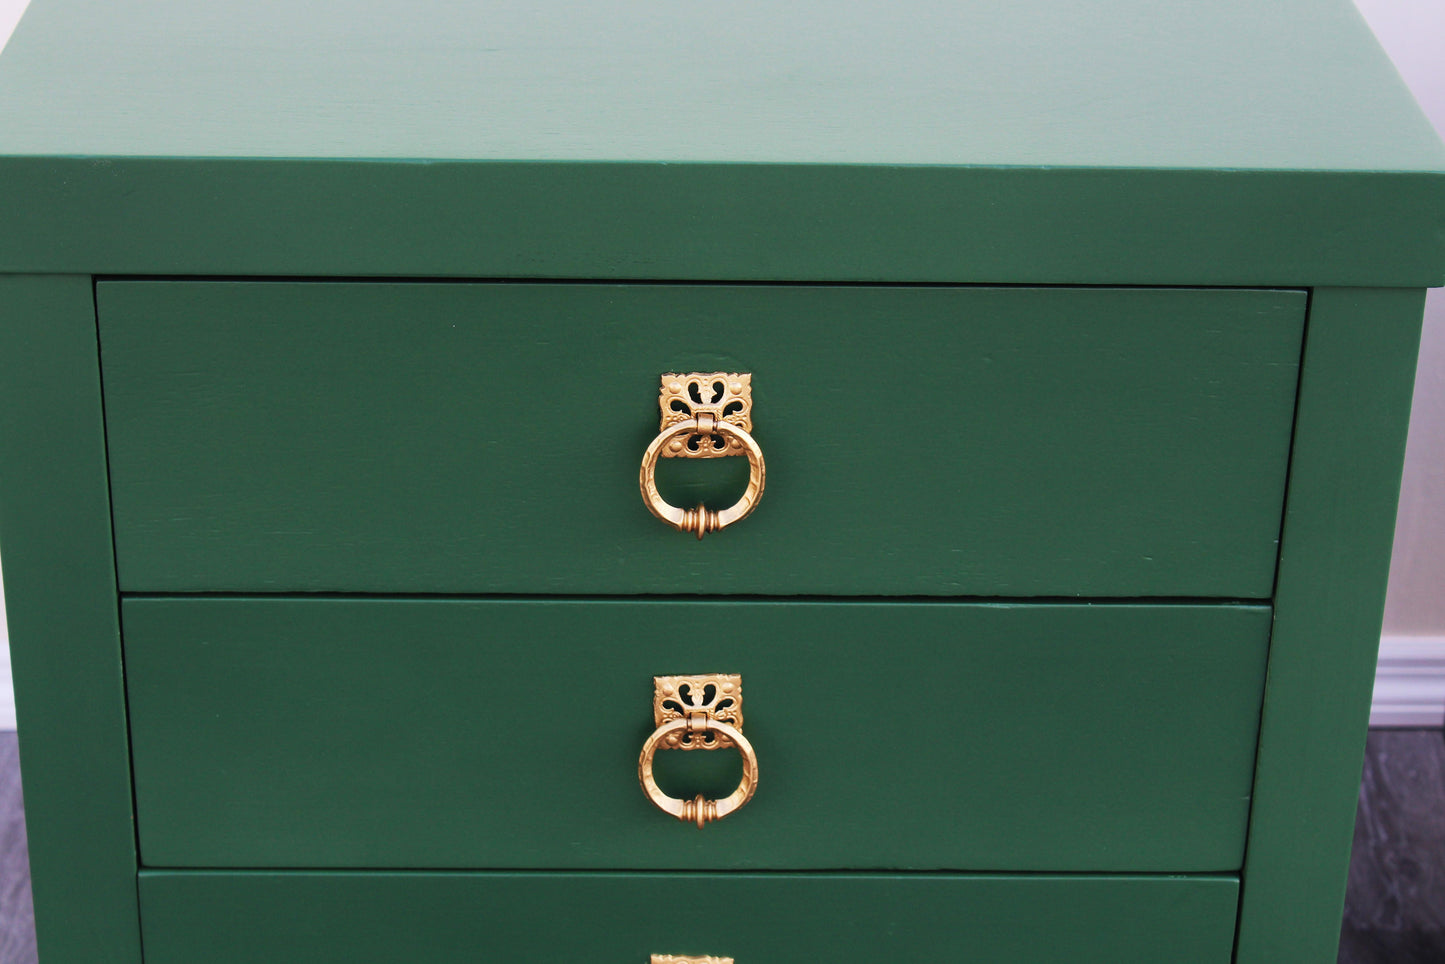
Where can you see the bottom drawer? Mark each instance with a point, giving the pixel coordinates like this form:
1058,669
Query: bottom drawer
191,917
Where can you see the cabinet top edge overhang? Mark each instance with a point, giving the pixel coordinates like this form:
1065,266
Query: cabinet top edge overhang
816,137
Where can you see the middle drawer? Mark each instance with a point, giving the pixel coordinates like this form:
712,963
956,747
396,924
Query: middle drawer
449,733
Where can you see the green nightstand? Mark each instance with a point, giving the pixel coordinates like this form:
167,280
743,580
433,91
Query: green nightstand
331,339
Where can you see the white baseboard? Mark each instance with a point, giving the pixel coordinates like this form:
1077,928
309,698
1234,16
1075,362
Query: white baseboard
1409,682
7,689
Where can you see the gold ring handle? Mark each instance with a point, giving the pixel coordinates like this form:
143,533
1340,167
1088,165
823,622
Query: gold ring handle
698,810
702,520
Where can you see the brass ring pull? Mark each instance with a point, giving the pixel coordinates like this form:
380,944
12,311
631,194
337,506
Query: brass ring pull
698,810
698,713
702,520
705,415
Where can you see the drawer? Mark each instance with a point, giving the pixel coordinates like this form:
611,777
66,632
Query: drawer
445,733
485,438
378,918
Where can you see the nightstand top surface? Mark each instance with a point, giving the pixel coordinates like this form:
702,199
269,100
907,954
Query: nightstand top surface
1288,84
1035,141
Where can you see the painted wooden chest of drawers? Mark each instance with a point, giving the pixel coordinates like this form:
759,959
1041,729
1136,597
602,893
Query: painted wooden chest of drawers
1080,340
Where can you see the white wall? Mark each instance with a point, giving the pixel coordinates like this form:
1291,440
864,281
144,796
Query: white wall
1413,31
1410,682
1411,687
10,11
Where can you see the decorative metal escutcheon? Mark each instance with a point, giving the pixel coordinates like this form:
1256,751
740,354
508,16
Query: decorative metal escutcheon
705,415
698,713
683,959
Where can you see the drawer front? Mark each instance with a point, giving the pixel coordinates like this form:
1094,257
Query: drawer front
486,438
378,918
481,734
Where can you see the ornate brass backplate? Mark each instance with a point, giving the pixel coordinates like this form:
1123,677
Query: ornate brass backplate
705,415
715,696
719,396
683,959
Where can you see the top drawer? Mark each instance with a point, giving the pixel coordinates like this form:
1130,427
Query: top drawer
485,437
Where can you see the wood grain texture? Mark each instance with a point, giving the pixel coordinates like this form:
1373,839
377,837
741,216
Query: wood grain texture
1045,141
484,438
1344,482
63,620
491,734
258,918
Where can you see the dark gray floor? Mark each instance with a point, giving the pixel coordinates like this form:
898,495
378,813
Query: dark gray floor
1395,905
1394,910
17,920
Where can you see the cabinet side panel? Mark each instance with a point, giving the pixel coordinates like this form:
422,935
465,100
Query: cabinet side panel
64,629
1349,444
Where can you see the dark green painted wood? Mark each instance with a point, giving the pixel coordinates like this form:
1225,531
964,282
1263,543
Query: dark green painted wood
64,638
257,918
1040,141
471,438
720,222
1044,82
490,733
1344,482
